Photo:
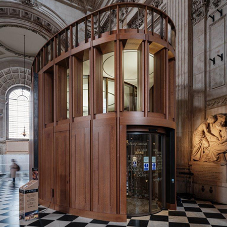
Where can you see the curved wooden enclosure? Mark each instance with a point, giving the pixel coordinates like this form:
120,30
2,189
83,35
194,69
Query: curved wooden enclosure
109,73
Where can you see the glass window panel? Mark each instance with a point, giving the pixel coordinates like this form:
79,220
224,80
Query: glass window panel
151,83
19,113
104,95
111,97
85,95
108,83
86,73
131,80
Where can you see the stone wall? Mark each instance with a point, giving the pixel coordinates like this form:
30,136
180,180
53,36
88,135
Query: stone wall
209,90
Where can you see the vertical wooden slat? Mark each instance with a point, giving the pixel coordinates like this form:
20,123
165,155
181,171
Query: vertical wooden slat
118,19
76,35
110,21
71,37
166,28
152,21
98,24
161,26
146,78
66,40
77,87
51,50
85,30
92,27
138,19
145,21
59,44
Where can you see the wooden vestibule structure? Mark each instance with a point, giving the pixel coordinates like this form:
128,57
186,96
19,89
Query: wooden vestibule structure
83,121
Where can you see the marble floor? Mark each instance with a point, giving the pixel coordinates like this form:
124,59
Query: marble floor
190,213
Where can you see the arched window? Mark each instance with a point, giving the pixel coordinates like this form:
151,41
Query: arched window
18,112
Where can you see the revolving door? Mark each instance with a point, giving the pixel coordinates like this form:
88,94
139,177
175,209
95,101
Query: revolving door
145,173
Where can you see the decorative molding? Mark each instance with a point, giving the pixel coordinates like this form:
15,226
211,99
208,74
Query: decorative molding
13,76
199,8
14,52
31,3
214,103
32,18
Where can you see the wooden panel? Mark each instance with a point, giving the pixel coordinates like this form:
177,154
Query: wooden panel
98,82
46,165
61,156
77,87
123,203
104,165
49,97
61,92
80,166
172,90
159,82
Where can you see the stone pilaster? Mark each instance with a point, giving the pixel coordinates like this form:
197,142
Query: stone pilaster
180,12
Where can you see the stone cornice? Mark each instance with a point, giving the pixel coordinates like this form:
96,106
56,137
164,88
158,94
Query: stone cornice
214,103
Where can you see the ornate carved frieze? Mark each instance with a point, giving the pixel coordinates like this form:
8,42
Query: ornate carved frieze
30,17
199,8
221,101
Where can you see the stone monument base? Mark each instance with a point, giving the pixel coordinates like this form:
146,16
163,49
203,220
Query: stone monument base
210,181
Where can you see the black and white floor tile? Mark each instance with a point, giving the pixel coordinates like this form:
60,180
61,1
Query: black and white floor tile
190,213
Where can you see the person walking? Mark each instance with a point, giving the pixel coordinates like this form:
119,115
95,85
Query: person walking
13,169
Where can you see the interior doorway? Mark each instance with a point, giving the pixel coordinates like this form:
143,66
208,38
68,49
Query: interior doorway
145,173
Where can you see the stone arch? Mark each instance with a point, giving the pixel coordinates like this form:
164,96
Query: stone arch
13,76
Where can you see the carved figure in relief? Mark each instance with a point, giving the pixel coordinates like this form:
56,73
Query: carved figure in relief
210,140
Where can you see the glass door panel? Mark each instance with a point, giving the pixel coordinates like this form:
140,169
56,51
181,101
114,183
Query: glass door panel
144,173
138,196
156,173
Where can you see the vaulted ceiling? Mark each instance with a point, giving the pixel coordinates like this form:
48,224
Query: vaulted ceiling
38,20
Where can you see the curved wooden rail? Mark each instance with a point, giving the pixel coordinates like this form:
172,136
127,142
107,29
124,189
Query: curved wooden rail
109,19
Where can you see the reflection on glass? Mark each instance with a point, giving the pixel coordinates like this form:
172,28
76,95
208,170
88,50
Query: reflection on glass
67,93
144,173
138,197
104,95
108,83
131,80
85,95
151,82
86,73
156,173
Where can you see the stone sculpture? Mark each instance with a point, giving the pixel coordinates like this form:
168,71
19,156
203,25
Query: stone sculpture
210,140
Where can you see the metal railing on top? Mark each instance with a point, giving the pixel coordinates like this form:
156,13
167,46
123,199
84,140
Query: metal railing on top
113,18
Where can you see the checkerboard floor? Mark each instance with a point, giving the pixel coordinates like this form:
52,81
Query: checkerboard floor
190,213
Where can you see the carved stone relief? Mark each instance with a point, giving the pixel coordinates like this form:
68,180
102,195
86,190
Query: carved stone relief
210,140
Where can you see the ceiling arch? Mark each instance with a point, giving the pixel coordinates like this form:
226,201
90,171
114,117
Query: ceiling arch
13,76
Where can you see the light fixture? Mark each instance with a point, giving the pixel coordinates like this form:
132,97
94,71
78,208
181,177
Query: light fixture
24,132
